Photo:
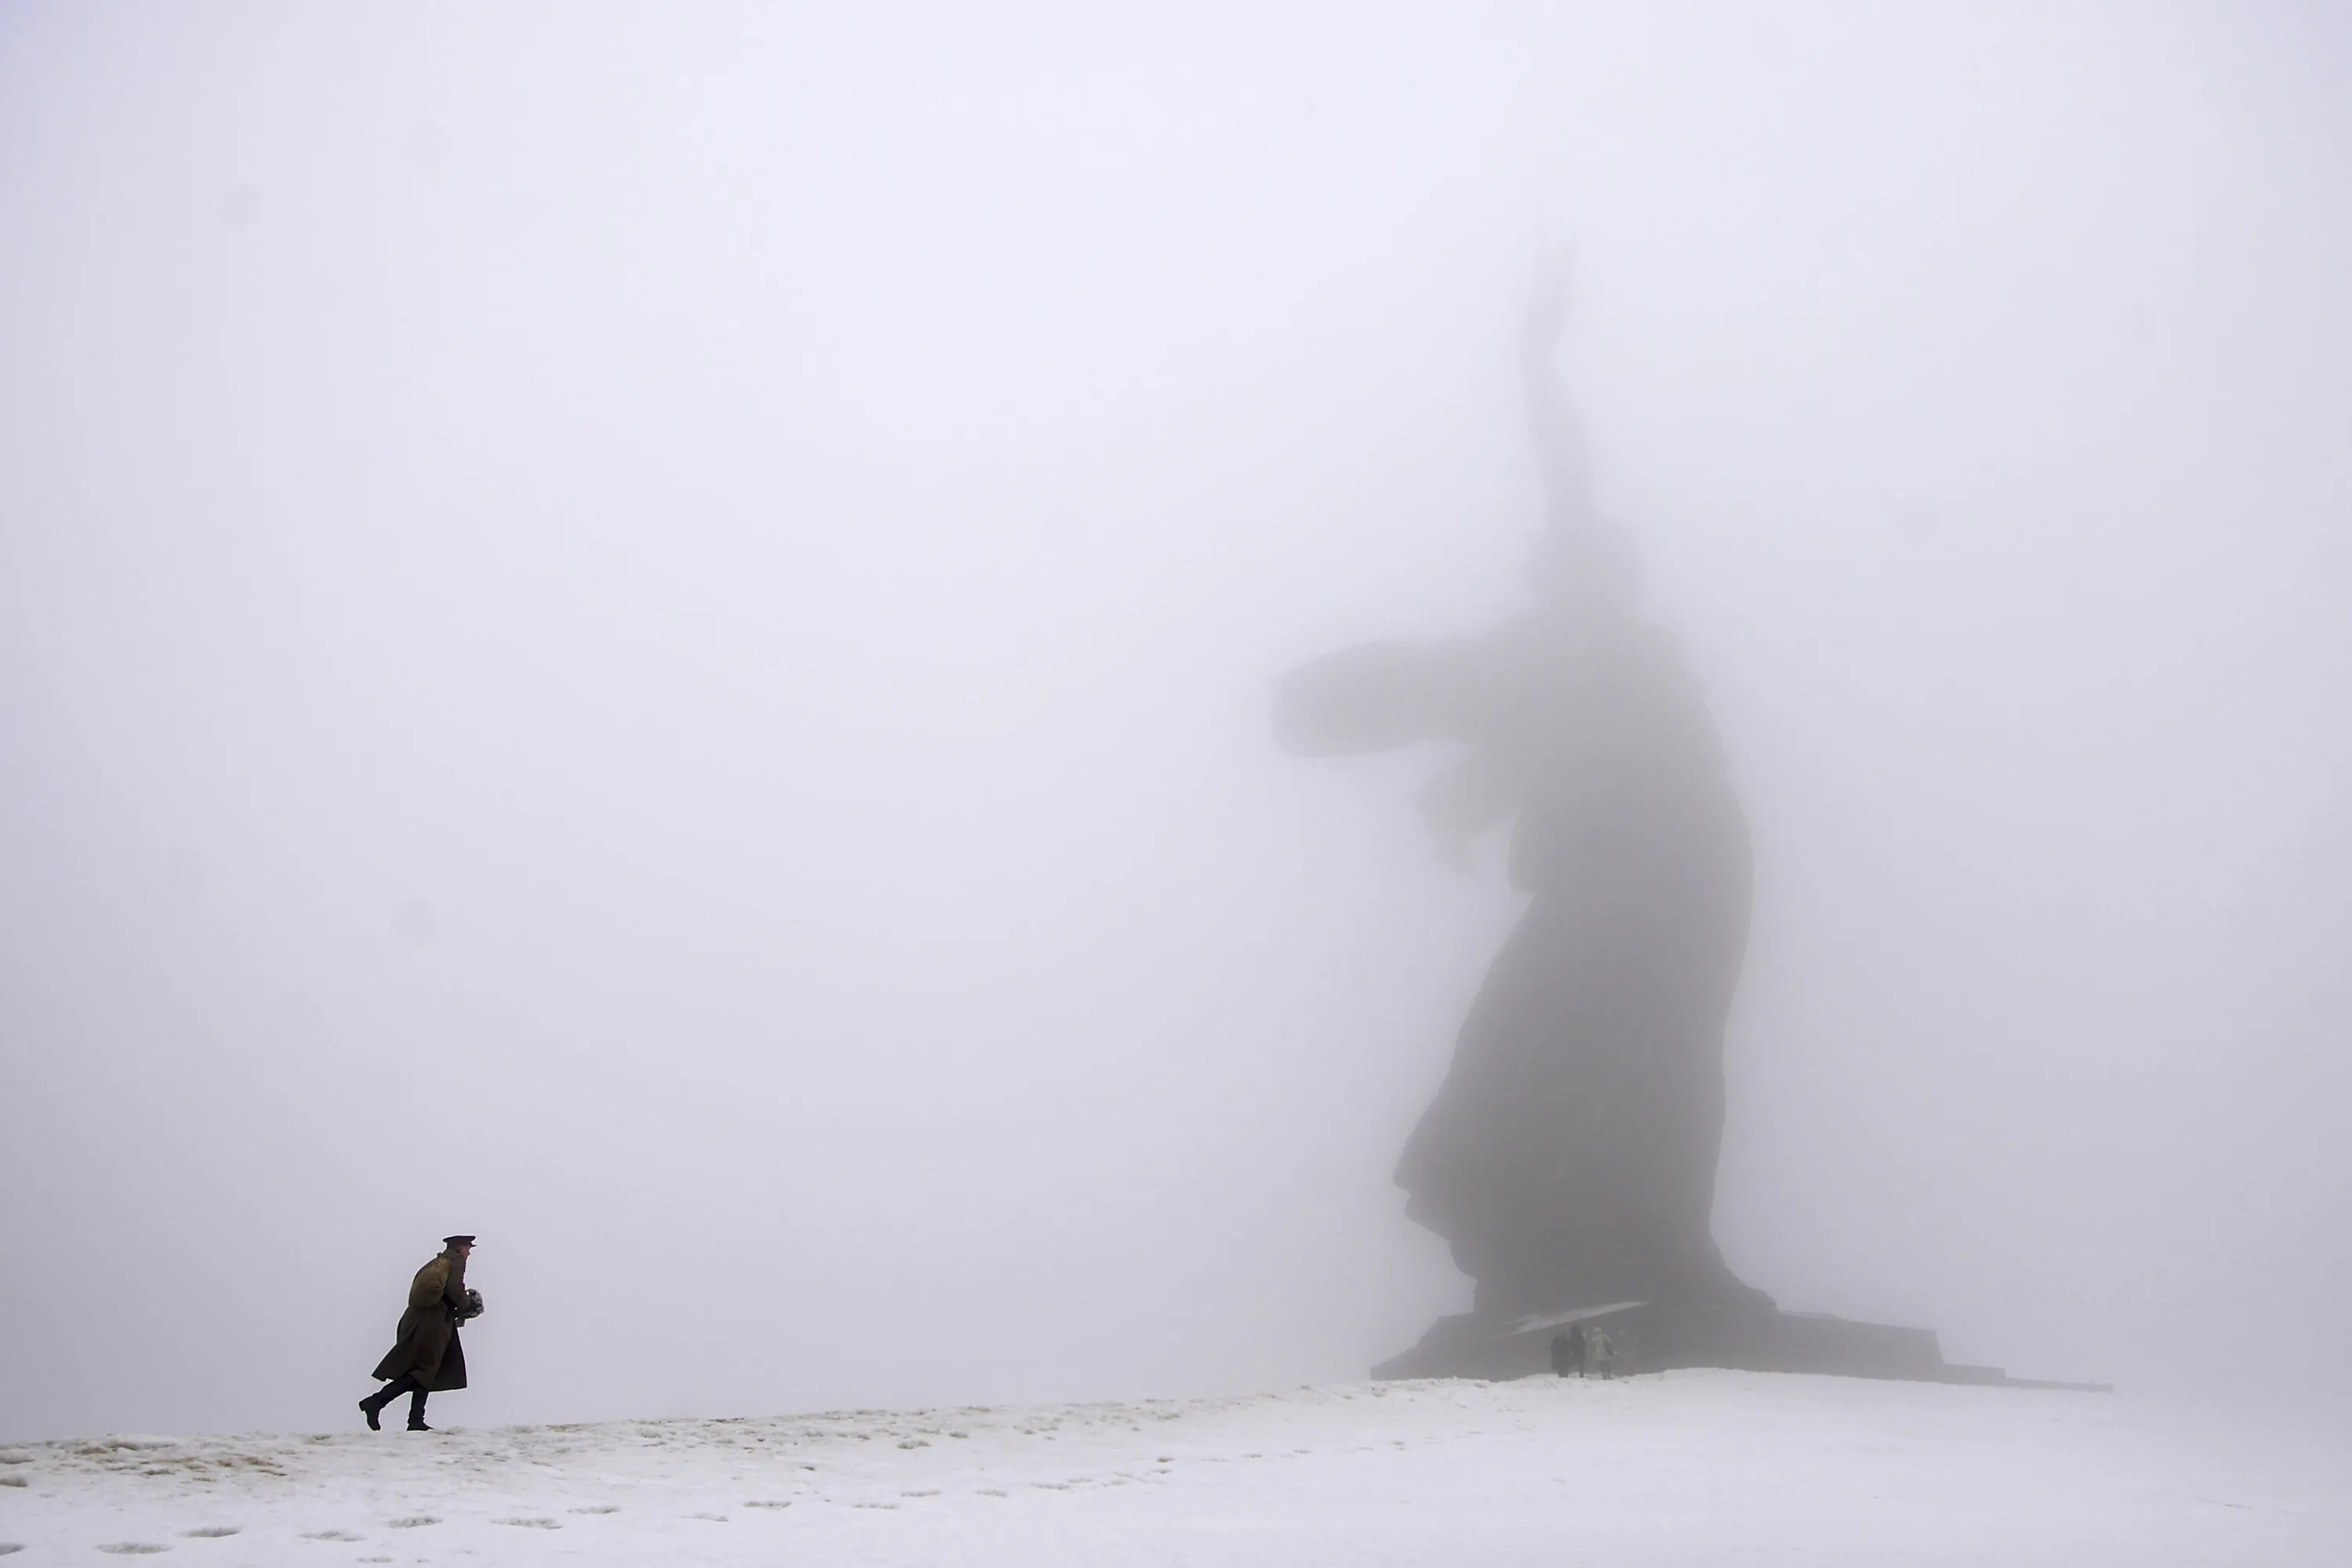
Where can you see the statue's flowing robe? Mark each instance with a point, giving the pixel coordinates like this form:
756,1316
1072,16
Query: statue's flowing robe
1569,1159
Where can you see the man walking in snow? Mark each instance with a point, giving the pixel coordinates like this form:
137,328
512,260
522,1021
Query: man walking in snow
426,1356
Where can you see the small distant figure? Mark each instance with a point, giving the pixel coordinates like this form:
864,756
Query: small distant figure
426,1356
1600,1353
1567,1353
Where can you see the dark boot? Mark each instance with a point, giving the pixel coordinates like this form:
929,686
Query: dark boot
372,1405
416,1412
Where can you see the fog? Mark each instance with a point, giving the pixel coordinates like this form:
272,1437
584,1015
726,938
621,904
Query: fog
647,631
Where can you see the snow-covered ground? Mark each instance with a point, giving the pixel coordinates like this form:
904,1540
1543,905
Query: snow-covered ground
1685,1468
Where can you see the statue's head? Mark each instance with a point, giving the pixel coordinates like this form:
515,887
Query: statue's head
1588,570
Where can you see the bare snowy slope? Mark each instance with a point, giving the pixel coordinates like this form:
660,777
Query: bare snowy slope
1687,1468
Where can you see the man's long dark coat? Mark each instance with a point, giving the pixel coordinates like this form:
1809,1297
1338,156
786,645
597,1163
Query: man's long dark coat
427,1347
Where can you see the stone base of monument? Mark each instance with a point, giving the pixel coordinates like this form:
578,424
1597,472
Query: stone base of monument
1658,1336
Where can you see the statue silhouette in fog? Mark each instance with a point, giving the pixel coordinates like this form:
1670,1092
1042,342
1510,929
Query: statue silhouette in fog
1569,1160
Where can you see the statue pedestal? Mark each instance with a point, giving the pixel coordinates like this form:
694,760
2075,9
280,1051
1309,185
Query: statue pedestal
1663,1335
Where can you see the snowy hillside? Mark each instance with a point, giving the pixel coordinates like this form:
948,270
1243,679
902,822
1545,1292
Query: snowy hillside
1685,1468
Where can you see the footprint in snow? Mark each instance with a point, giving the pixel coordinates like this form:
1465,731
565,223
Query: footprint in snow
12,1480
8,1546
761,1503
417,1521
532,1523
713,1518
132,1548
210,1532
609,1508
331,1535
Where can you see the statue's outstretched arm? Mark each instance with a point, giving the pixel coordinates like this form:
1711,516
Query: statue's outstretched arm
1376,696
1562,453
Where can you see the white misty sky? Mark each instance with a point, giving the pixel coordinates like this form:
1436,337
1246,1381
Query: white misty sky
646,630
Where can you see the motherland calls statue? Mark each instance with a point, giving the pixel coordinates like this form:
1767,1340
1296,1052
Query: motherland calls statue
1569,1158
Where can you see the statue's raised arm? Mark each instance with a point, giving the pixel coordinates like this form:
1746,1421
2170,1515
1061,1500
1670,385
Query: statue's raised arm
1562,456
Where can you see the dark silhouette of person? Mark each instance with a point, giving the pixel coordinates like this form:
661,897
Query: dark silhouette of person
1570,1157
426,1356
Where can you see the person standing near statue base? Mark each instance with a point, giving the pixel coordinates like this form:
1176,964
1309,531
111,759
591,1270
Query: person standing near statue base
426,1356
